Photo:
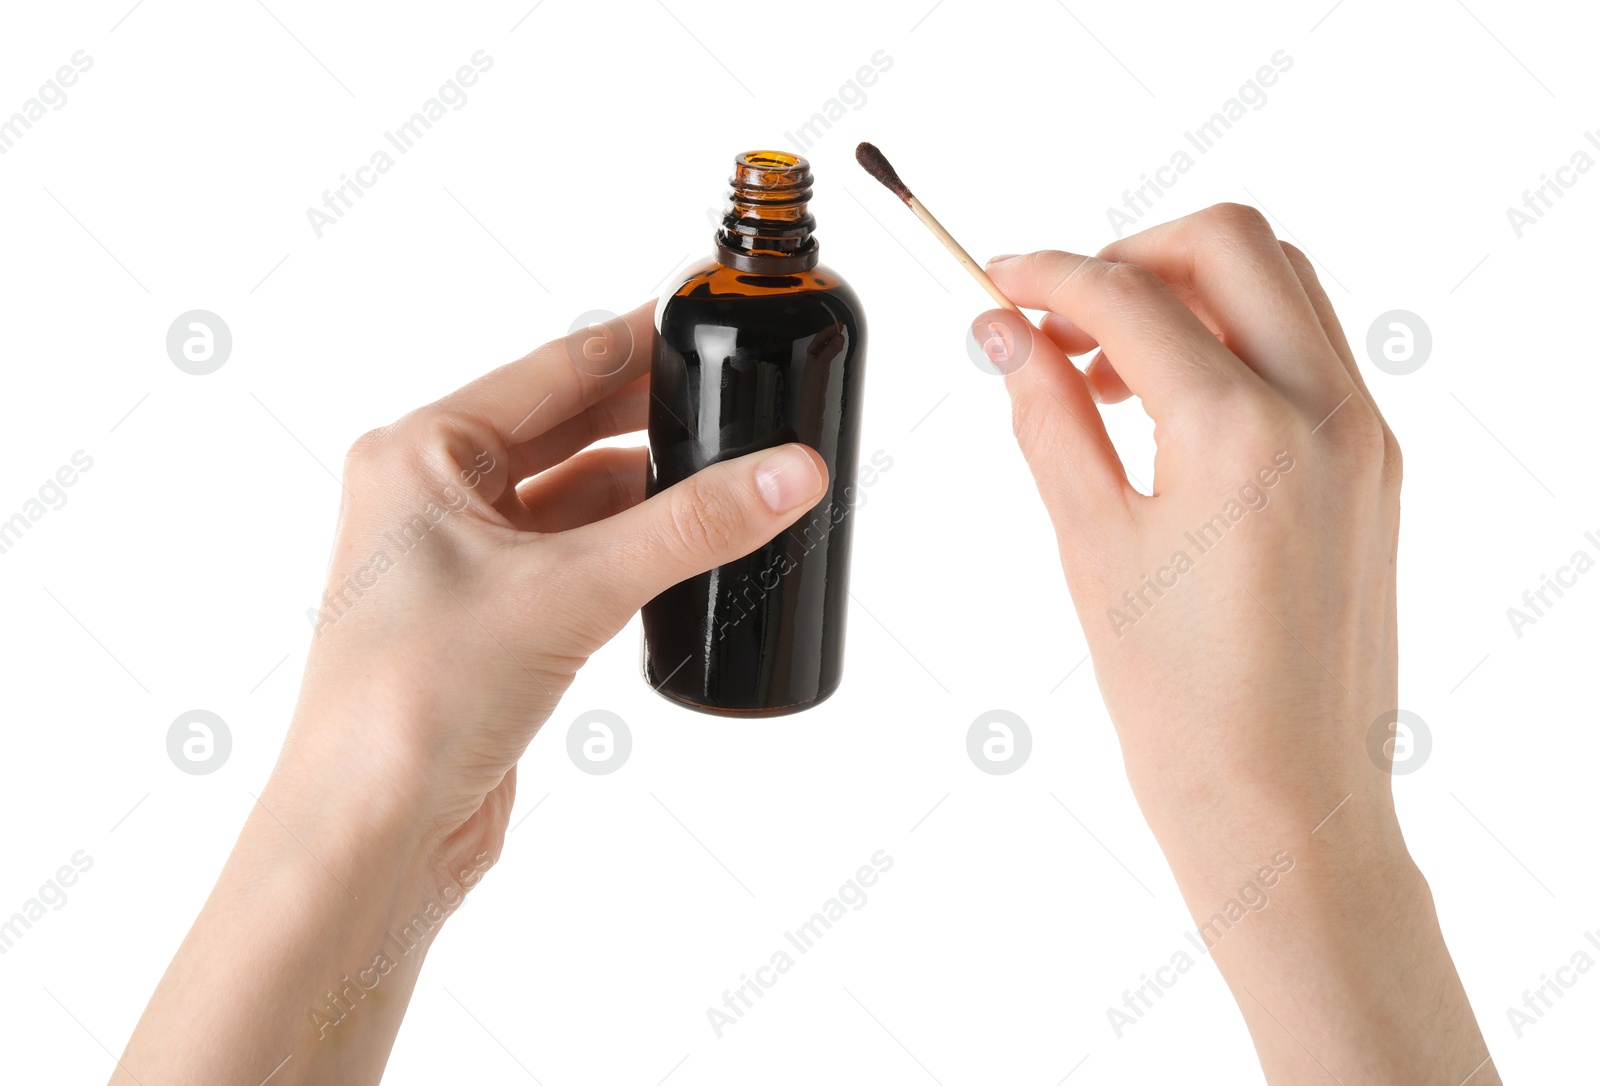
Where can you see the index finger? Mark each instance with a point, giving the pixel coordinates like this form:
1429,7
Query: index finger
552,383
1161,349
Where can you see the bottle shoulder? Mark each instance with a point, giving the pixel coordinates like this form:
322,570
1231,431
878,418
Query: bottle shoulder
713,292
829,279
712,279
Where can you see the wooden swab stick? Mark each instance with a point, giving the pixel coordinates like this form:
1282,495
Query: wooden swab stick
873,162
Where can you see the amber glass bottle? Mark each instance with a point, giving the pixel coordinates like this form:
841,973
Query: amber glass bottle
759,346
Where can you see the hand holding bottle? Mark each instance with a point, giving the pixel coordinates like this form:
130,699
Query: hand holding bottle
460,604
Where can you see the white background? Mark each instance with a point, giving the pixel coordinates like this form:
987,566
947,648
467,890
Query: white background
576,177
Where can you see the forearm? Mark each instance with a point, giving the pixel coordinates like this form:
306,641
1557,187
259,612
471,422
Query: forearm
1339,966
303,959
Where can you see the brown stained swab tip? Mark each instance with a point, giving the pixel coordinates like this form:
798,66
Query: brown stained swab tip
873,162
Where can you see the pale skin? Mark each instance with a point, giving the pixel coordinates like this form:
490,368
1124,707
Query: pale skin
1243,694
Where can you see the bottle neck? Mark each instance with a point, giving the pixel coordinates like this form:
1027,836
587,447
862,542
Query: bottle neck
767,225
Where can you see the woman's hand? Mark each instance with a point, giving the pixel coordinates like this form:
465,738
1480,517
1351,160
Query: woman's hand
1242,623
481,557
512,556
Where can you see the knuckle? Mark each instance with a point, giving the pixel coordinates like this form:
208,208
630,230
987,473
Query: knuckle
1298,258
1030,423
1236,220
1304,270
1360,438
367,448
439,449
705,520
432,429
1366,434
1393,462
441,444
1125,283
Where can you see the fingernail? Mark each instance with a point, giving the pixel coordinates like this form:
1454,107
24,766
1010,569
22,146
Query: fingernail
787,478
993,260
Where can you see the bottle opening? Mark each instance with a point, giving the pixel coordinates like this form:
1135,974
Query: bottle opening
776,160
766,224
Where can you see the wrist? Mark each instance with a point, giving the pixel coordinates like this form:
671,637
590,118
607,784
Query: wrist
1343,971
367,813
1228,817
340,901
1262,860
336,841
338,853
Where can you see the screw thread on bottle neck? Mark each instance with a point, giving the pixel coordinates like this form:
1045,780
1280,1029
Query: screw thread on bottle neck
766,224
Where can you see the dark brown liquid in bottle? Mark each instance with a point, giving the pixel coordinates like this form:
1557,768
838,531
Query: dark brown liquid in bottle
759,347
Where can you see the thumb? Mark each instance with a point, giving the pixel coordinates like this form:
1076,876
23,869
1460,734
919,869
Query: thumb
1056,424
719,514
